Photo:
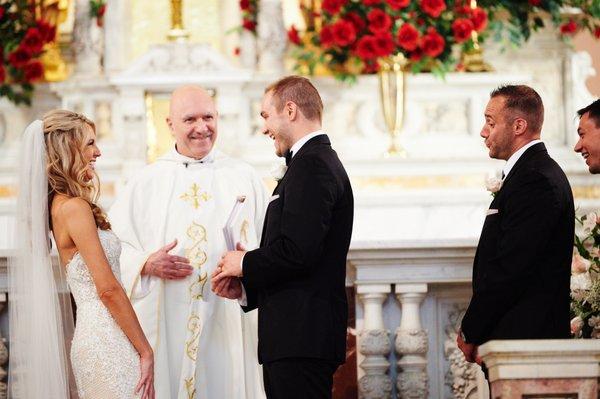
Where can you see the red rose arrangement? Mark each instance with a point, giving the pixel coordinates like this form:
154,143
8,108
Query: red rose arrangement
355,34
249,9
21,44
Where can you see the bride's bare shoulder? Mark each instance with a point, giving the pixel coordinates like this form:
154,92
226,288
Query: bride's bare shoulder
65,208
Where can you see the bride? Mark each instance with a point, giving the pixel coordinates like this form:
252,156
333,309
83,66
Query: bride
110,356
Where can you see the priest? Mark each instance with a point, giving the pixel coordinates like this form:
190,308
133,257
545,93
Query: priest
170,219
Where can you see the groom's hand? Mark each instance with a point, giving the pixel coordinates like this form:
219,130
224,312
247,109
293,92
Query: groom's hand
230,265
164,265
229,287
469,350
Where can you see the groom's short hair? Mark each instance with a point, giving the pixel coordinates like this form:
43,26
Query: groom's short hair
301,92
523,100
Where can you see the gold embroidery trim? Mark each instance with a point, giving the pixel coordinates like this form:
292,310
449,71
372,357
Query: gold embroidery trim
191,346
189,386
195,197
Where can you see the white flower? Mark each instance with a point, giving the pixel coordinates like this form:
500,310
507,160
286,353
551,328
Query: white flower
579,264
493,184
278,170
576,325
591,219
581,282
594,322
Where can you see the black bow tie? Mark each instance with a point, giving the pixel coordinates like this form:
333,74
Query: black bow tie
288,157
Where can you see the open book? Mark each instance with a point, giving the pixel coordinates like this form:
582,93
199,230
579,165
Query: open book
235,229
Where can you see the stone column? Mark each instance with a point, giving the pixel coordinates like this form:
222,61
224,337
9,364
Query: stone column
374,344
272,37
88,41
411,343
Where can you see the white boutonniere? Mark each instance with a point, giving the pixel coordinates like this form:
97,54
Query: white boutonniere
493,184
278,170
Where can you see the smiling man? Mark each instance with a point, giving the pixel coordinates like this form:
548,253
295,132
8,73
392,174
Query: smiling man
296,279
170,219
522,267
588,144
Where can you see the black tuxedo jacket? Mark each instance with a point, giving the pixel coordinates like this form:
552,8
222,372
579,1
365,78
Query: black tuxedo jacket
296,278
522,267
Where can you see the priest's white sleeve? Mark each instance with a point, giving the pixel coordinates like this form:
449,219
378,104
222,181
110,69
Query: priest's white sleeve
126,225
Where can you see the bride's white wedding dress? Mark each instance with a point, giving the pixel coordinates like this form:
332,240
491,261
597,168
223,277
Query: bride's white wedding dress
105,363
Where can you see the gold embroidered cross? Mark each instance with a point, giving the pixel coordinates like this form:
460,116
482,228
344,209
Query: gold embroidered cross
194,196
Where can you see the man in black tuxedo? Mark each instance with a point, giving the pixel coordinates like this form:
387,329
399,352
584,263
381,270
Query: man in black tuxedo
589,136
521,272
296,278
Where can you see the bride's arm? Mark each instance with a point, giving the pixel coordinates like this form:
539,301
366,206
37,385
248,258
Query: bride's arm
81,226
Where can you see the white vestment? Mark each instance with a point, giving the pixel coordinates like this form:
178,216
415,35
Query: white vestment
204,346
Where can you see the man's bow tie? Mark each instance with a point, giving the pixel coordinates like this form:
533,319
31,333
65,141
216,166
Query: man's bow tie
288,157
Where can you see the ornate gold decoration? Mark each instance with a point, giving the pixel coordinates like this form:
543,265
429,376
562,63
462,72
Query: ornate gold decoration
177,32
196,289
244,232
392,90
195,197
189,386
472,59
197,233
191,346
54,12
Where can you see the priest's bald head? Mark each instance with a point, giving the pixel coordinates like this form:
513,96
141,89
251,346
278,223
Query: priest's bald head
193,121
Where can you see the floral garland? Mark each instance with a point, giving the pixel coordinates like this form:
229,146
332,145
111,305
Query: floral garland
585,281
97,11
249,9
22,40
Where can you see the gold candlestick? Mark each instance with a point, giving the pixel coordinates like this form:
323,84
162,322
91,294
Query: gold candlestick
177,33
392,91
472,59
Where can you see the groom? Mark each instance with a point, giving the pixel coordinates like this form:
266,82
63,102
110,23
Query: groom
296,278
522,267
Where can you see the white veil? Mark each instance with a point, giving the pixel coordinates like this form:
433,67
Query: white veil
41,320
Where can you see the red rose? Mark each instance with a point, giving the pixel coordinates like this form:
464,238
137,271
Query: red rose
433,7
462,29
597,32
326,36
356,20
2,74
332,6
19,57
47,31
33,71
569,28
432,43
244,5
102,10
293,35
371,2
371,67
365,48
535,3
344,33
2,12
33,40
236,51
408,37
249,25
384,44
398,4
379,21
416,55
479,18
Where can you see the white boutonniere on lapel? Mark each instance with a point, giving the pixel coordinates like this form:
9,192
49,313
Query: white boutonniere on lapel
493,184
278,171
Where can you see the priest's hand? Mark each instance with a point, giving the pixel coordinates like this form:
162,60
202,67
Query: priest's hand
164,265
469,350
230,265
229,287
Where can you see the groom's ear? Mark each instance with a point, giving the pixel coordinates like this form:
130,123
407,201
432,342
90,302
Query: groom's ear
519,126
291,110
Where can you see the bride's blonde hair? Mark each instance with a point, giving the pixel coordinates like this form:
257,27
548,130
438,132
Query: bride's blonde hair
66,135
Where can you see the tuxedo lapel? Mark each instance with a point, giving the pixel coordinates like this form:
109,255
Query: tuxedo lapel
534,149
